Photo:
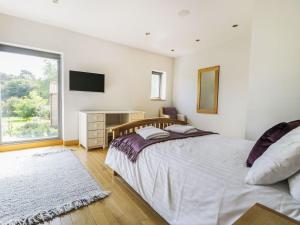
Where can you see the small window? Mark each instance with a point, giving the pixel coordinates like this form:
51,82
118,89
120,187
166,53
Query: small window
158,85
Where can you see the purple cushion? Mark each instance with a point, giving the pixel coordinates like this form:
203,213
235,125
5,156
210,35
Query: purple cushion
294,124
268,138
170,111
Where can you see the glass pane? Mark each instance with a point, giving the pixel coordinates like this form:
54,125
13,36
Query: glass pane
207,90
155,86
29,97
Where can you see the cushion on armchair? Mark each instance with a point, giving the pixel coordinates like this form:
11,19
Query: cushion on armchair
170,111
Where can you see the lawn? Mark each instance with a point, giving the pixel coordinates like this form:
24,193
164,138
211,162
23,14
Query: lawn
18,128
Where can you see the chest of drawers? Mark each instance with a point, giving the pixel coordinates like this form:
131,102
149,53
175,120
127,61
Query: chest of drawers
94,126
92,130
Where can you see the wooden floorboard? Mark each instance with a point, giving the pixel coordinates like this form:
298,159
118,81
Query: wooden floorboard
123,207
66,220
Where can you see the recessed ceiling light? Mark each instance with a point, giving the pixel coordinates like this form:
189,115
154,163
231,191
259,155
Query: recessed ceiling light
147,33
55,1
197,40
184,12
172,50
235,25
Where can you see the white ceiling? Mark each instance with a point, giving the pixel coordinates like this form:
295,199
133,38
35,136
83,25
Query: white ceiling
127,21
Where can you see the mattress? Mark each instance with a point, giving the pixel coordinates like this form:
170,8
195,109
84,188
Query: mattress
199,181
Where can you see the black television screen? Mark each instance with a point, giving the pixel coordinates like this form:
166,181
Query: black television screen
82,81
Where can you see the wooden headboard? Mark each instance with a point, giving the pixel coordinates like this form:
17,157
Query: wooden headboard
133,126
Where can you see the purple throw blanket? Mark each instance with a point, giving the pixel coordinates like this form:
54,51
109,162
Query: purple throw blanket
133,144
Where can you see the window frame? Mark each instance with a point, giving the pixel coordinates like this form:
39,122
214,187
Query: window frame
45,54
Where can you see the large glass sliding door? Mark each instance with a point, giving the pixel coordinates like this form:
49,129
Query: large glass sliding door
29,94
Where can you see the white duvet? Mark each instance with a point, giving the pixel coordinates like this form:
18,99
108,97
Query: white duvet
199,180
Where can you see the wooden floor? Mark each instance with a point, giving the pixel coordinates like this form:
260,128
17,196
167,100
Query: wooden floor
123,206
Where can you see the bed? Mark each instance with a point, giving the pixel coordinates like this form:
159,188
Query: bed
198,180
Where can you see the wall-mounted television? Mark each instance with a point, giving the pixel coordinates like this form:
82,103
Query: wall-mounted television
83,81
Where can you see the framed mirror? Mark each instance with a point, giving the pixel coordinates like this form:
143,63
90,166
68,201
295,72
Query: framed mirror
208,89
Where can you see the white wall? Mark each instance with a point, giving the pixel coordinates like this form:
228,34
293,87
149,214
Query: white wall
248,104
233,58
128,70
274,90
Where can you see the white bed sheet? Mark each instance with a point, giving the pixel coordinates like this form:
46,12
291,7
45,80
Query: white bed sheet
199,180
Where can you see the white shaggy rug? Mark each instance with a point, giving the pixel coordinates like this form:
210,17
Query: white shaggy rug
38,185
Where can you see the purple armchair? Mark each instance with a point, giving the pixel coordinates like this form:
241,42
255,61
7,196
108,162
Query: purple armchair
171,112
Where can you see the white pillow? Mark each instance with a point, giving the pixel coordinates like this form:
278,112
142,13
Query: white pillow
280,161
183,129
151,132
294,183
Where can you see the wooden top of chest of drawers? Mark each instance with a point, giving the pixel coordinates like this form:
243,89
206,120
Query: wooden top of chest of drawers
112,112
262,215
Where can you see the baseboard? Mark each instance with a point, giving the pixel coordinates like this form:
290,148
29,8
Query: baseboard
71,142
33,144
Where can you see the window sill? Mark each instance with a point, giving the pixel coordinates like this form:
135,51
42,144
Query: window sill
158,99
30,144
